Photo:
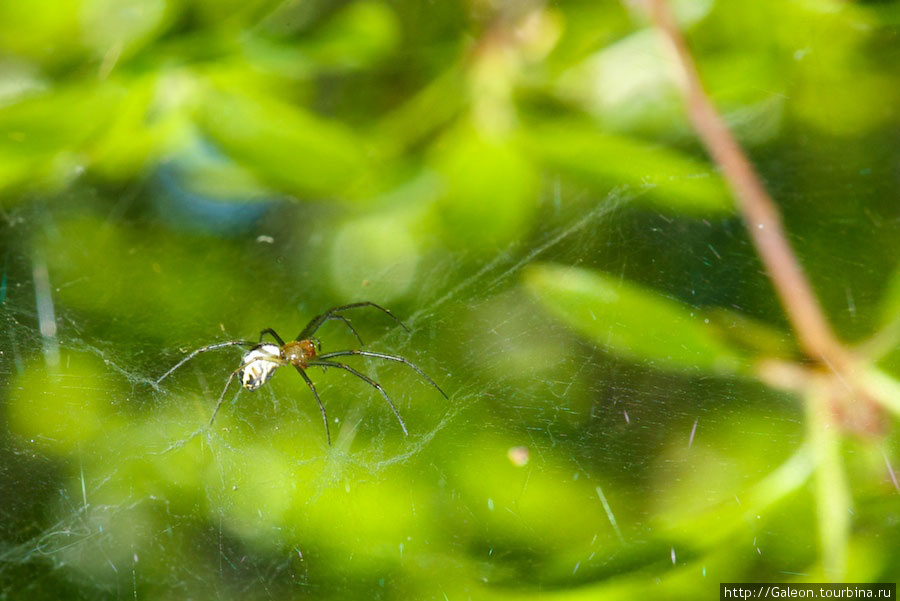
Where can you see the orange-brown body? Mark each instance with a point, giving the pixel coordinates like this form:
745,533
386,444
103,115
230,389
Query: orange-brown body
298,352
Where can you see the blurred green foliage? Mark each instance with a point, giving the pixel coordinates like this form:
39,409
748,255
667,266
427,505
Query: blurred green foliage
629,414
629,321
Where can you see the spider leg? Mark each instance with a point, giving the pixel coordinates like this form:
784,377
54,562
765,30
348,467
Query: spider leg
210,347
222,396
369,381
389,358
317,321
273,334
349,325
318,400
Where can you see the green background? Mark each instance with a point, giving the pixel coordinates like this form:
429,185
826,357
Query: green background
518,182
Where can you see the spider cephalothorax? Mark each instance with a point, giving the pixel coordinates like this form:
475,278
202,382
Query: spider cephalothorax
299,352
260,362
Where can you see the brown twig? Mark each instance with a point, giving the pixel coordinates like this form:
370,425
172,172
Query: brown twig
759,211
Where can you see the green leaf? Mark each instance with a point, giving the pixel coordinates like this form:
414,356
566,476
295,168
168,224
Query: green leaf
426,111
40,148
884,341
681,184
490,193
374,257
358,36
883,388
890,302
47,30
286,145
117,28
149,278
62,408
758,338
631,321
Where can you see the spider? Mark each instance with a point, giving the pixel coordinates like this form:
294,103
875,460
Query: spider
260,362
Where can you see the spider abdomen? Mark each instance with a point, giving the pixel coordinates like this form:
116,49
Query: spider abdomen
259,365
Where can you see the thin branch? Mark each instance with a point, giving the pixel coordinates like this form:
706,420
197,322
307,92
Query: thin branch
759,211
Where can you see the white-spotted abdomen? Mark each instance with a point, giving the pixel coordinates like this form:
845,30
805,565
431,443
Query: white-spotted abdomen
259,365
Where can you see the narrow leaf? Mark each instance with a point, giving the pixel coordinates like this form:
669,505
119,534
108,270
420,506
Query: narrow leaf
286,145
631,321
681,184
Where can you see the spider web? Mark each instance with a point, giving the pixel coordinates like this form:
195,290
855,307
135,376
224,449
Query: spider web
84,513
142,498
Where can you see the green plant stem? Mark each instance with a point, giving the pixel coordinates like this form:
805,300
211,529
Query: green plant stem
833,501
